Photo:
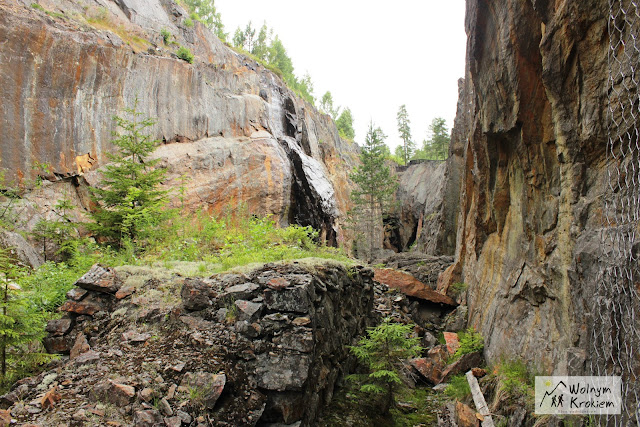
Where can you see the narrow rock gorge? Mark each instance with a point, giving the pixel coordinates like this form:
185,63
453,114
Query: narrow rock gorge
504,236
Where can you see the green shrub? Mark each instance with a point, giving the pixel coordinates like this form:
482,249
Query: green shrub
188,23
470,342
458,387
166,36
38,7
515,377
185,54
458,288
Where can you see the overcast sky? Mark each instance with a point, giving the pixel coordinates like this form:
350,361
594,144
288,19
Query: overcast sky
372,55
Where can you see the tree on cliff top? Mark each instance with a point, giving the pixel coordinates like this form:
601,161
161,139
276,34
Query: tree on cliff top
208,15
408,146
129,201
437,146
345,125
375,189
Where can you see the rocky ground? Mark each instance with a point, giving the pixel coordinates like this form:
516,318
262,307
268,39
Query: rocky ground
149,346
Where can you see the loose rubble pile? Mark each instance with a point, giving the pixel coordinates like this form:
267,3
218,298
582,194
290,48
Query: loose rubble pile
148,347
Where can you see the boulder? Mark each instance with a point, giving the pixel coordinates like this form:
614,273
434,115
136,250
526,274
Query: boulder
147,418
100,279
80,346
409,285
196,294
462,365
209,386
465,416
282,372
20,248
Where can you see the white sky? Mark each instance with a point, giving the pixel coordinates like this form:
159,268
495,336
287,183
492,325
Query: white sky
372,55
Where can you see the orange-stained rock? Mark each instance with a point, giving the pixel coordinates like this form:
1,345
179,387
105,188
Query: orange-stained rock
50,398
451,338
411,286
479,372
80,346
465,416
100,279
428,368
83,307
5,418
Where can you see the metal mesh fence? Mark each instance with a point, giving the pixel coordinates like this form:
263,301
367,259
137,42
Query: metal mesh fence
616,332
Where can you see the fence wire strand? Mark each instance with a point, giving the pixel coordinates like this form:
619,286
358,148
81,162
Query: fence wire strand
616,332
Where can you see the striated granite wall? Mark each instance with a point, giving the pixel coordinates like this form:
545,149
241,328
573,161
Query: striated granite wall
529,144
235,126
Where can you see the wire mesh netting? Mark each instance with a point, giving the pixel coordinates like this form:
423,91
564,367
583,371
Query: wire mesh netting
616,335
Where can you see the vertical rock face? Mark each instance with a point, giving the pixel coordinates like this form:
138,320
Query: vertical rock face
419,201
529,149
64,78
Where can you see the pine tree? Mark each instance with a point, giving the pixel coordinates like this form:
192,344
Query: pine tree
437,146
408,146
376,186
383,350
129,201
21,323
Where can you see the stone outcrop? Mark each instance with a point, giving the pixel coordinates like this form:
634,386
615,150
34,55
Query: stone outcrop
419,200
226,122
263,347
528,151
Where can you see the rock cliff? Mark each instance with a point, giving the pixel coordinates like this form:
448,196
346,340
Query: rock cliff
528,150
226,122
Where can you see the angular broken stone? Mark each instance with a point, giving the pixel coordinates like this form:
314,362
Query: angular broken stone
409,285
124,292
147,394
89,306
147,418
242,291
465,416
86,358
296,340
164,407
278,283
208,385
282,371
80,346
116,393
248,310
464,364
196,294
428,368
173,422
297,299
58,344
59,327
76,294
135,337
100,279
451,338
